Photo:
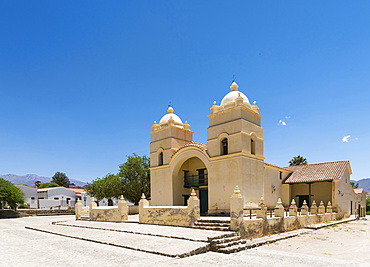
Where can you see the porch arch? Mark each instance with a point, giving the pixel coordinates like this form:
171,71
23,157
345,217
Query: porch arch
190,162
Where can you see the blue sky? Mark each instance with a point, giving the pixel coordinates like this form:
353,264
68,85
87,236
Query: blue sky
82,82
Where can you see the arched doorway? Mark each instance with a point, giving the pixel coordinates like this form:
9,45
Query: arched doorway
190,173
110,202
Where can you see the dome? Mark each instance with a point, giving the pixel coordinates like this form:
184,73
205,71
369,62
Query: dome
170,114
231,96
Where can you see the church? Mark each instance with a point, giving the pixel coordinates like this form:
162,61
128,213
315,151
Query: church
234,156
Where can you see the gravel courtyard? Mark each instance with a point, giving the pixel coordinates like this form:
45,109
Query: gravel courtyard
339,245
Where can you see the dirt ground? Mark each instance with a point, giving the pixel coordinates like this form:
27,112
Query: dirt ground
347,241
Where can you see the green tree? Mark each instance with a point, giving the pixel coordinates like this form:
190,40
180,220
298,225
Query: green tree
132,180
354,185
61,179
136,177
47,185
110,186
368,205
298,160
10,194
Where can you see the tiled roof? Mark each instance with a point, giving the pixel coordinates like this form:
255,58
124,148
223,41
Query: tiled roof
78,191
326,171
201,146
358,190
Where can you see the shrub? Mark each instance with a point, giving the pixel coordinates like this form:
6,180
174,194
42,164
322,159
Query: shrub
23,206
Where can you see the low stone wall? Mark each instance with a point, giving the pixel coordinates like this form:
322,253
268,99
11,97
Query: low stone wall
33,212
169,215
106,214
261,225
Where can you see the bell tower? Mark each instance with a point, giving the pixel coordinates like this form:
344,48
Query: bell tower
166,137
235,147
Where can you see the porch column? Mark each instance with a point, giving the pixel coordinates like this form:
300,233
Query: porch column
309,194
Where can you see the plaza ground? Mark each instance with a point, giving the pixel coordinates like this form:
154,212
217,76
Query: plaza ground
339,245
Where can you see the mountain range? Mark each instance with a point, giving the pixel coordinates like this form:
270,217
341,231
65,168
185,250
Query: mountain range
30,179
363,183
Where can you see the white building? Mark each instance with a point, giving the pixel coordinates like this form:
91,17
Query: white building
56,197
30,194
86,199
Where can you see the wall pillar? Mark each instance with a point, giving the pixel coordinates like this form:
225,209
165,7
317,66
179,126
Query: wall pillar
279,209
122,209
262,211
193,207
236,209
321,209
293,208
92,204
78,209
304,208
142,204
313,208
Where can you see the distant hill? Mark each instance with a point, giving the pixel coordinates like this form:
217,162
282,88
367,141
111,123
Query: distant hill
30,179
363,183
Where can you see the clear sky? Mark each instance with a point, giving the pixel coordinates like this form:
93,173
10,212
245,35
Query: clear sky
81,82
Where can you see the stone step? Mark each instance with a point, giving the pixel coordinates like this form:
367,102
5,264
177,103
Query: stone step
213,221
225,239
213,228
237,247
212,224
223,236
230,244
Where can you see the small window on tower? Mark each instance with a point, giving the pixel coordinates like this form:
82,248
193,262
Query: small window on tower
224,147
253,147
160,160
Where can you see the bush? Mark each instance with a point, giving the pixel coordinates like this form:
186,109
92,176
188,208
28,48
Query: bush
23,206
368,213
368,204
48,185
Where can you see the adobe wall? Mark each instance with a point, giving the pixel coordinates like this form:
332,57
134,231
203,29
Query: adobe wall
175,216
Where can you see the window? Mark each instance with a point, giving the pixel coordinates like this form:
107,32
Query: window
253,147
56,198
224,147
160,159
32,198
281,175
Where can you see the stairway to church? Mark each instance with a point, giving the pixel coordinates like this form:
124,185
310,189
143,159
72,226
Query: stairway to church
215,225
229,243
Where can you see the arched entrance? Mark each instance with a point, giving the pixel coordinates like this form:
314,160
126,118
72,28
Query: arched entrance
190,172
110,202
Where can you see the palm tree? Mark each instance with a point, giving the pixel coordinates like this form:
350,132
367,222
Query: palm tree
37,184
298,160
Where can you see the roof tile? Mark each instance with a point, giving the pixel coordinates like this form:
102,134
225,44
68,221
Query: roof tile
326,171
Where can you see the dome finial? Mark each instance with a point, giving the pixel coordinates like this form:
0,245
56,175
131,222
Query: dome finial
170,110
234,86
